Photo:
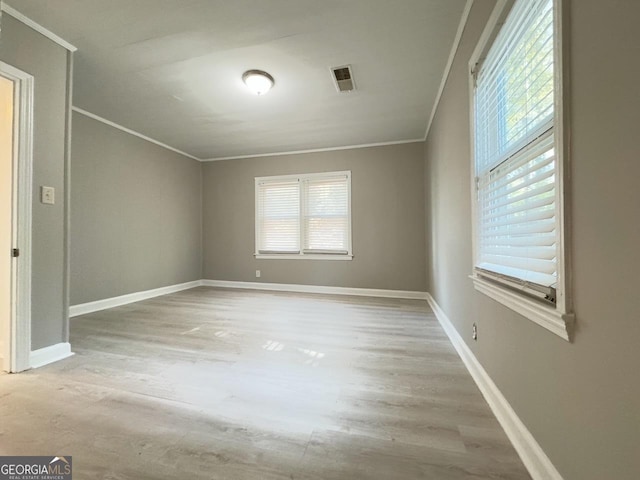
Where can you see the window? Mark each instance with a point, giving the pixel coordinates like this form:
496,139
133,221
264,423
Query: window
304,216
518,162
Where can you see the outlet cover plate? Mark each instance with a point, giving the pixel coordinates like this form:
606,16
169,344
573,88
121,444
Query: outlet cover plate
48,195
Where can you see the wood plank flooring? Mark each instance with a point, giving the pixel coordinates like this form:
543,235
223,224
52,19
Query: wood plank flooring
243,385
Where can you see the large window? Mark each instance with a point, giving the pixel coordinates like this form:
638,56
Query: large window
518,155
304,216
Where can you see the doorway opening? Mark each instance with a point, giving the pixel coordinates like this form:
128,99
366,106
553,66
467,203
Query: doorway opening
16,140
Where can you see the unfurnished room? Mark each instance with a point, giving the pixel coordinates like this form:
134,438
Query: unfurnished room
319,239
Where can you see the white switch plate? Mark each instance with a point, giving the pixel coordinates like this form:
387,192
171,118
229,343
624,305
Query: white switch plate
257,273
48,195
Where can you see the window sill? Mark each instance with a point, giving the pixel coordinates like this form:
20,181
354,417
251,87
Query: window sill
546,316
293,256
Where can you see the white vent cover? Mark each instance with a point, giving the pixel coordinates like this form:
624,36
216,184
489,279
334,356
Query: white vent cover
343,78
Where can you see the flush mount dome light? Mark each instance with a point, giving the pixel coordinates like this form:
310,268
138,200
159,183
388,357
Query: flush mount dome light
257,81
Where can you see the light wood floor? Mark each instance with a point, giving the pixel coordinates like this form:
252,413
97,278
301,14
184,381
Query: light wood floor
239,385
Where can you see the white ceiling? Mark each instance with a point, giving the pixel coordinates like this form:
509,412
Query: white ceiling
171,70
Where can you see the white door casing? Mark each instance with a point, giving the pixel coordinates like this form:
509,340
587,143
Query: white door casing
18,348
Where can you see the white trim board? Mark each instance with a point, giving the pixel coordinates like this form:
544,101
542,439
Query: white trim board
132,132
47,355
447,68
321,289
530,452
89,307
37,27
316,150
238,157
546,316
19,333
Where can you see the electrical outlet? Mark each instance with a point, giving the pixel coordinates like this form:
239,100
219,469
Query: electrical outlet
474,333
257,273
48,195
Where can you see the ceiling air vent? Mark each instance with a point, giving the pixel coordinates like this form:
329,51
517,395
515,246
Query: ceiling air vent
343,78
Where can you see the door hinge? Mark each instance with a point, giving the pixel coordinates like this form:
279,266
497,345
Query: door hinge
15,252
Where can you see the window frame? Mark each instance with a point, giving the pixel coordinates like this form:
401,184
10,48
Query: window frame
558,318
302,255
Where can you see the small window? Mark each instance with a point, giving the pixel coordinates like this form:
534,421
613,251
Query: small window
518,160
304,216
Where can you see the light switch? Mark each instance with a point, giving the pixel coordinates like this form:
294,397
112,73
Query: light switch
48,195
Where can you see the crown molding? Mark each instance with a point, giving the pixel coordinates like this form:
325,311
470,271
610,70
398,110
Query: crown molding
37,27
132,132
447,68
297,152
316,150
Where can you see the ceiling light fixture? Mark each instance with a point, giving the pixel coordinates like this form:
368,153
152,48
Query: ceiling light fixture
257,81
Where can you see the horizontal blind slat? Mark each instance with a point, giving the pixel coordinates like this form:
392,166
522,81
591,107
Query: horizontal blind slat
530,219
539,252
529,227
537,239
526,275
530,264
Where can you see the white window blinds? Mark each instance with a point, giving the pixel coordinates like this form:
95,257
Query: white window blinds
514,85
514,152
326,215
278,217
304,214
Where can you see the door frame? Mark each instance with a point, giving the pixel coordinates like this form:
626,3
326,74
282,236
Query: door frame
18,347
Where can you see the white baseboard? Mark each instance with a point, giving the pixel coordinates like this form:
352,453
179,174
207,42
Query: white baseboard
90,307
46,355
532,455
98,305
287,287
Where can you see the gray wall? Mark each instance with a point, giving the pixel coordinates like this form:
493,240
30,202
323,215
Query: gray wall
48,62
580,400
136,214
387,217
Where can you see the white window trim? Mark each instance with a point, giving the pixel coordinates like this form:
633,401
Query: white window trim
558,319
302,255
